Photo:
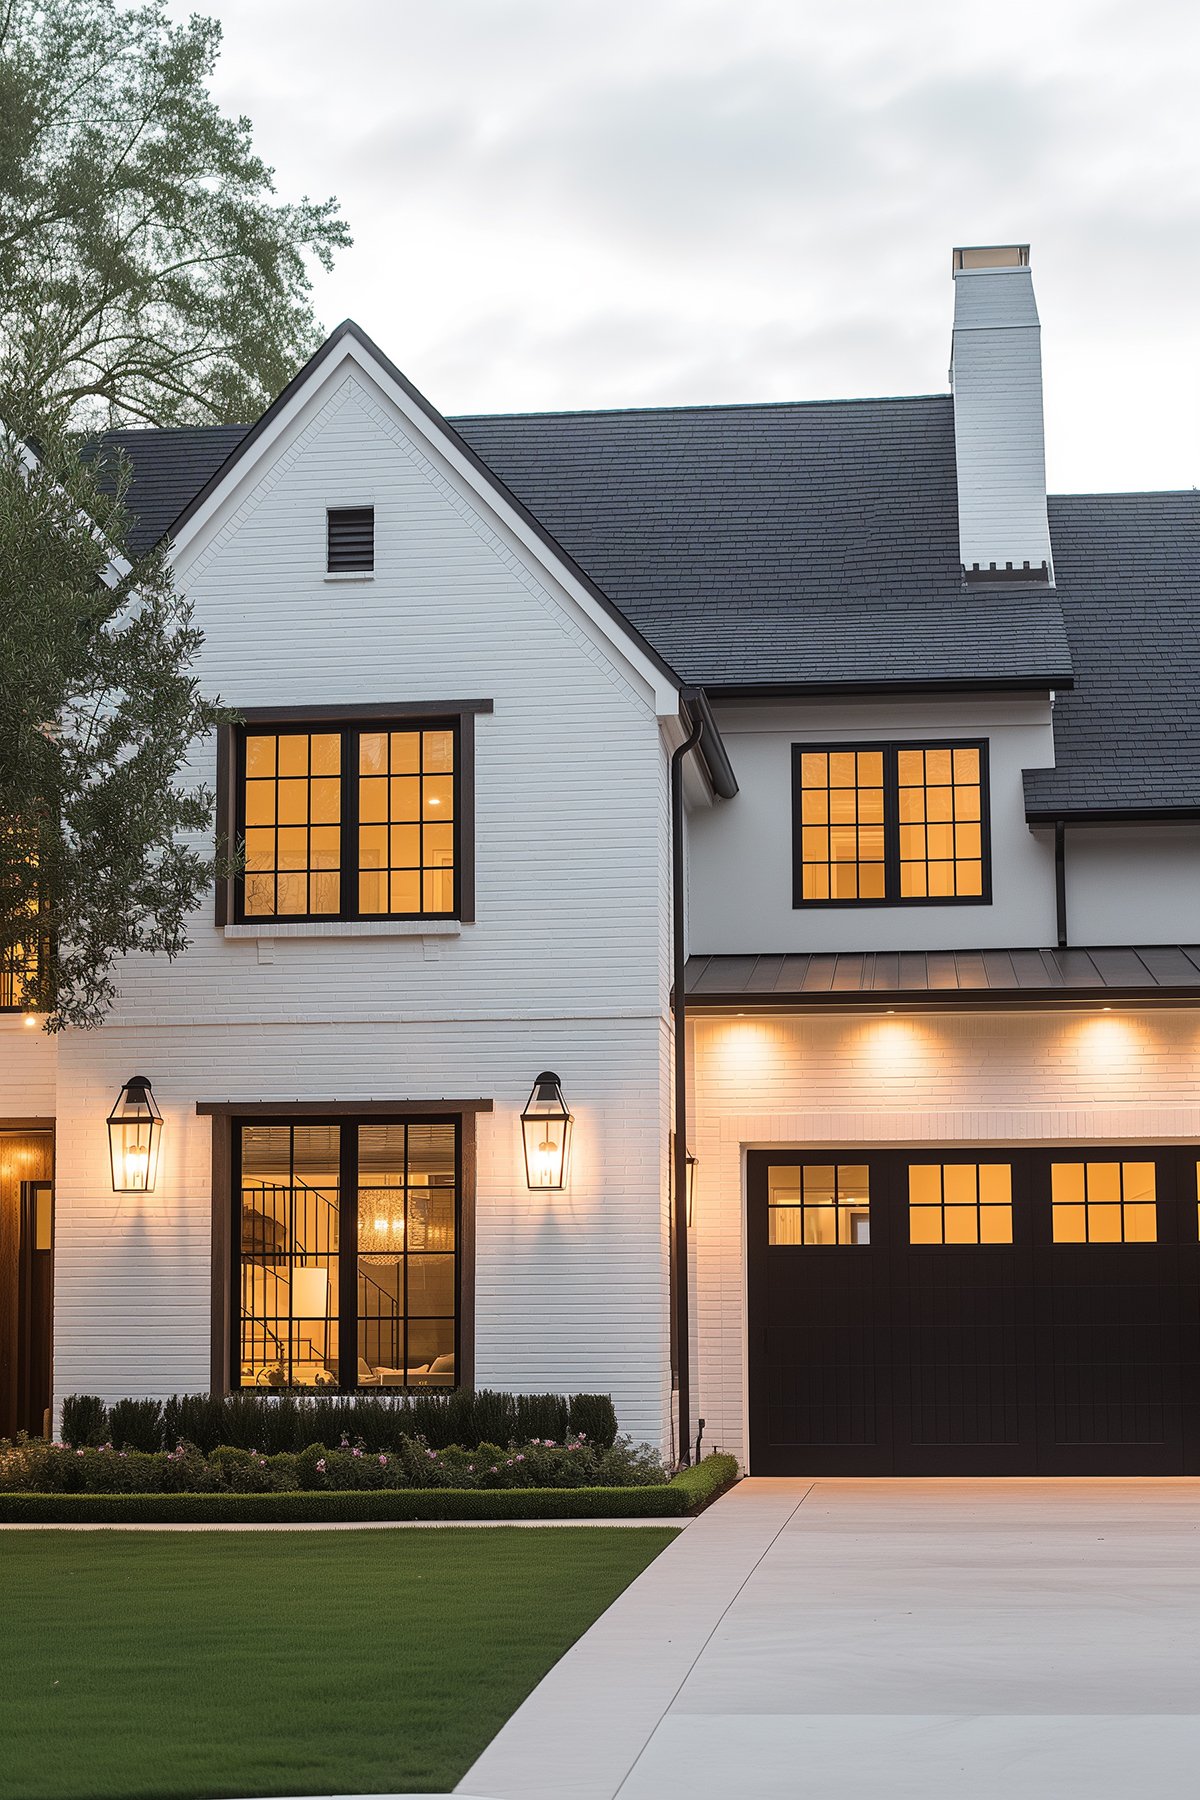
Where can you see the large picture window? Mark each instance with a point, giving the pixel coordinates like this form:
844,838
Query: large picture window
360,821
347,1245
890,824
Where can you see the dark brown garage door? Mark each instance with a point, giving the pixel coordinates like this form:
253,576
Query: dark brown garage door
975,1312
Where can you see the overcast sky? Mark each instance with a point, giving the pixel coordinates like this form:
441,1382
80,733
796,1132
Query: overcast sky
561,203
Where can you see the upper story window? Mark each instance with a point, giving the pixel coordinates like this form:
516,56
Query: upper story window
350,539
367,818
887,824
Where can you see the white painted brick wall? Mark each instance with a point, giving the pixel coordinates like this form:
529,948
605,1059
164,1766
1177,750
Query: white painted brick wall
925,1079
566,967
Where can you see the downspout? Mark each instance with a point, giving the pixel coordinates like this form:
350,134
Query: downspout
1060,881
679,1221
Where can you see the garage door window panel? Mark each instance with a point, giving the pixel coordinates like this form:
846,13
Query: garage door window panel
819,1205
1103,1202
960,1203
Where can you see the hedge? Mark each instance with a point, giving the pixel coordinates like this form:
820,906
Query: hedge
270,1423
685,1493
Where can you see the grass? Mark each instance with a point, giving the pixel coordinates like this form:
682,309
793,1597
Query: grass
179,1665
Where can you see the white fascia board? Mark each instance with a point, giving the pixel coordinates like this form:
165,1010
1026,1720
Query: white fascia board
208,518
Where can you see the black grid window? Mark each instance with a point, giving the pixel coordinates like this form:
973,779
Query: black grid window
354,822
351,539
406,822
890,824
354,1294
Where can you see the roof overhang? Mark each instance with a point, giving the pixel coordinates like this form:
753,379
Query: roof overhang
947,980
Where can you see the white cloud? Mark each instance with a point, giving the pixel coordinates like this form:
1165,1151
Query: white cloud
606,202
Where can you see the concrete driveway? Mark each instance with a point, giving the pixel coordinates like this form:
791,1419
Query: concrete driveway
978,1640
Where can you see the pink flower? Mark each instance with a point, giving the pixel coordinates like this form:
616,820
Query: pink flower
520,1459
320,1465
79,1453
356,1453
383,1462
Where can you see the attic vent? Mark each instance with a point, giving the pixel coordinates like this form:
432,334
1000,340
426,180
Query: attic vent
351,538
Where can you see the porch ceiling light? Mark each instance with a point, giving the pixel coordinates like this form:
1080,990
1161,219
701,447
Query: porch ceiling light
546,1128
134,1137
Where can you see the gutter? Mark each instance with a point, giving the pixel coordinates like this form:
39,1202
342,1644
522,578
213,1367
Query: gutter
712,750
693,709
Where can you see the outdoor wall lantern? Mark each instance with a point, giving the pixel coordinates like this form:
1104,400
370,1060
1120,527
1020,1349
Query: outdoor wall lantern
134,1137
546,1128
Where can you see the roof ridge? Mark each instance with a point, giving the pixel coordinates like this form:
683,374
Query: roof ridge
710,406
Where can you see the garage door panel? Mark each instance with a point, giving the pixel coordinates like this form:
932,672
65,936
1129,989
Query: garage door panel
930,1347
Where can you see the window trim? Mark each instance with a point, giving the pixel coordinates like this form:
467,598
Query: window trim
891,748
403,714
227,1119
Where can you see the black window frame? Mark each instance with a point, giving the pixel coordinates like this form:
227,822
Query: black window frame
891,748
339,559
348,721
349,1123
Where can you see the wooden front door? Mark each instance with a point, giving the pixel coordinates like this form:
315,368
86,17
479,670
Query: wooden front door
26,1279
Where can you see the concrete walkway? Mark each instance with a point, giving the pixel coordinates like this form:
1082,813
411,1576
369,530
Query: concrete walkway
840,1640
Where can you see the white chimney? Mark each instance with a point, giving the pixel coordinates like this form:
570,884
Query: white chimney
996,380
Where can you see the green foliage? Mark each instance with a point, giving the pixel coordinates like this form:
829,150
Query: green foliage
252,1421
312,1508
591,1416
135,1425
30,1465
84,1420
147,271
705,1481
110,851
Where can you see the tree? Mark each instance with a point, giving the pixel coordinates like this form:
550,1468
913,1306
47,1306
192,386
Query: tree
106,847
147,273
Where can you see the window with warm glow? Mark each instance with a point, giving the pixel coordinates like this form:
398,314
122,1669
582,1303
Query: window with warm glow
358,822
841,824
1103,1203
884,824
960,1203
818,1203
394,1324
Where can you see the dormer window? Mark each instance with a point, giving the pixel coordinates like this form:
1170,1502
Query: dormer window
351,540
890,824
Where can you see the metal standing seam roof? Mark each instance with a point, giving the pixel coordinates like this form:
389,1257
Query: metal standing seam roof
941,978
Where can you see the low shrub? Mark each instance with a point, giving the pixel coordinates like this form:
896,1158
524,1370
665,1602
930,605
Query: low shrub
683,1494
288,1422
29,1465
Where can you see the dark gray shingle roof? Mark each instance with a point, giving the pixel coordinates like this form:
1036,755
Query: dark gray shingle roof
168,468
1127,736
816,544
803,543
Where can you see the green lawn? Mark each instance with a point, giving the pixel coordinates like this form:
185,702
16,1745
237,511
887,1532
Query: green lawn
165,1665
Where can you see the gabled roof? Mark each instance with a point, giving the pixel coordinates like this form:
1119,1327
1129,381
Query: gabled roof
808,545
814,547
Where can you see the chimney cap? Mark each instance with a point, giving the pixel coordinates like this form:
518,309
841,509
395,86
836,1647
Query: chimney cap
973,258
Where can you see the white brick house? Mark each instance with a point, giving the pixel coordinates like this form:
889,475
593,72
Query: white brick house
945,1203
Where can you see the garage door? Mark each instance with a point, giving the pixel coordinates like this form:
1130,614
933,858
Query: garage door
981,1312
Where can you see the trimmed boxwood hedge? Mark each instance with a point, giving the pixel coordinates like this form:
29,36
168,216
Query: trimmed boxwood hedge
273,1423
685,1493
